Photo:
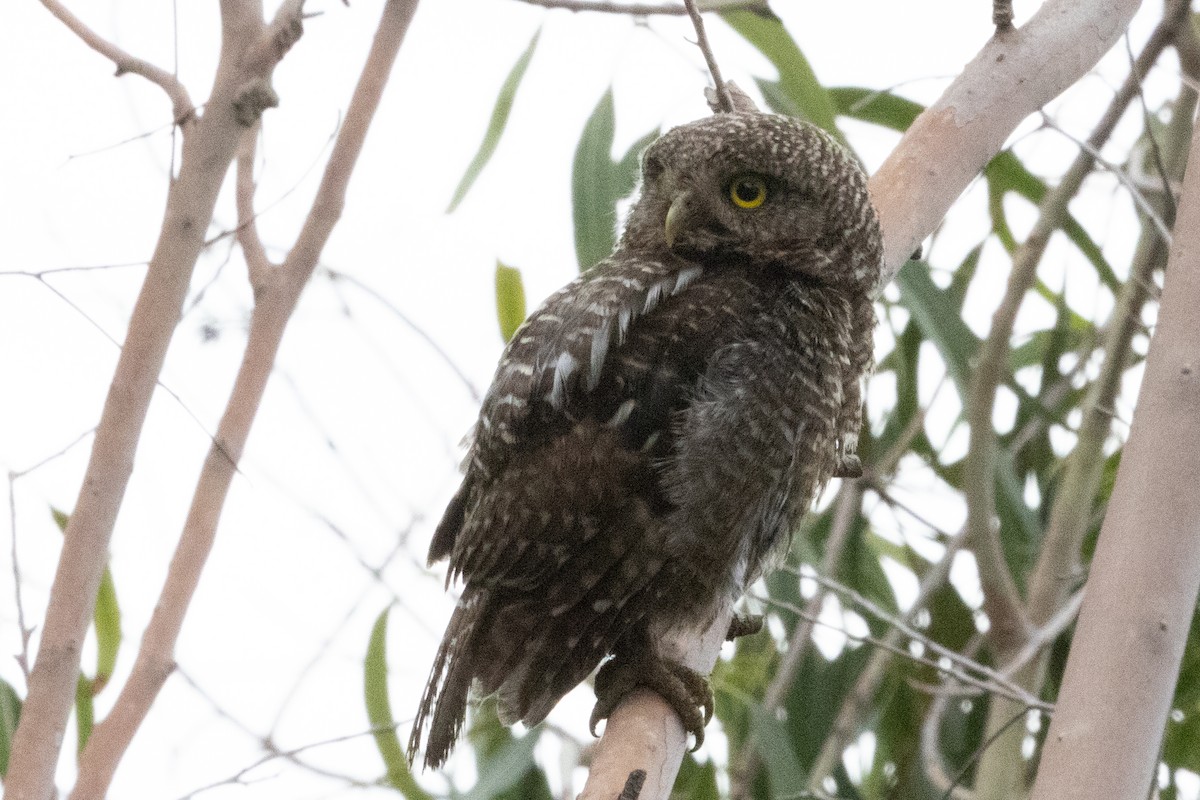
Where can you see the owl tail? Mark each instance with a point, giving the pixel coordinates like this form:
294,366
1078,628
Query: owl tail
443,708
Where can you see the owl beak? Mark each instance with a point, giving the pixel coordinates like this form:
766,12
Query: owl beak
677,218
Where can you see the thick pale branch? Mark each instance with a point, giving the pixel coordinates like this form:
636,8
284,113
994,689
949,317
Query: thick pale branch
1105,736
645,734
1001,601
1016,73
183,109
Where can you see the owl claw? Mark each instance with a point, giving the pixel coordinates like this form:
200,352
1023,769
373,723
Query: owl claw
744,625
850,467
685,690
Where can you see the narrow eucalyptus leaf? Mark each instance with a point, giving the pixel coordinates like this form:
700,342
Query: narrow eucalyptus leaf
796,76
510,299
10,715
84,712
495,129
379,713
594,186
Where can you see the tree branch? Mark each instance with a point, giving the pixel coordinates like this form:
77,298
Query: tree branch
1013,76
275,300
206,158
257,263
851,715
1104,739
207,153
183,111
1001,772
644,733
724,100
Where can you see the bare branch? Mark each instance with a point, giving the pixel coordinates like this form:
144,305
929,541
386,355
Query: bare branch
275,300
1145,574
1001,599
1001,772
1012,77
183,111
724,100
644,732
257,263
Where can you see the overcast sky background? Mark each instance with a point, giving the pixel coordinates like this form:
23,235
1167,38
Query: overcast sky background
356,446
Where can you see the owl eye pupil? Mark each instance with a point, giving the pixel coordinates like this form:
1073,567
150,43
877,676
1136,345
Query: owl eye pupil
748,191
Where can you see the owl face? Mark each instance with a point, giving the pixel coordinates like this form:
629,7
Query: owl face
757,191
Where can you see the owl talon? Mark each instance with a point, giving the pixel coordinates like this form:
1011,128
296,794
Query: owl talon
850,467
685,690
744,625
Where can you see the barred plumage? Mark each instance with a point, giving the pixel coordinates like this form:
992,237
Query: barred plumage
658,427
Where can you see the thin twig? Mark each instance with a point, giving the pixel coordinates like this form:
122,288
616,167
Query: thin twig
275,299
338,276
850,716
183,109
257,263
997,677
1123,177
724,100
960,667
847,509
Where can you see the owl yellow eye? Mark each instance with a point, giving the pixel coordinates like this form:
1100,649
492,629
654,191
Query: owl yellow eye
748,191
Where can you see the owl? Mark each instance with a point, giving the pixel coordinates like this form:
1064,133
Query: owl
656,430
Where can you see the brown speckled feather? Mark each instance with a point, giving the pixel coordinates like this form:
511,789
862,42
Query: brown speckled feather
656,429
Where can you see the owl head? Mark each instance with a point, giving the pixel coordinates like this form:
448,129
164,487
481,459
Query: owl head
758,191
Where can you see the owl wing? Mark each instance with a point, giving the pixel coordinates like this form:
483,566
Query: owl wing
550,373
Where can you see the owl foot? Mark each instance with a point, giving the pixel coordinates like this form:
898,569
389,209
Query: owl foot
744,625
684,689
850,466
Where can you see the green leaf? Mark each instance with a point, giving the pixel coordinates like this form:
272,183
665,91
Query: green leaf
496,125
1006,173
773,743
593,186
510,299
879,108
85,713
797,81
503,762
379,712
696,781
10,715
935,313
629,165
106,619
505,769
598,183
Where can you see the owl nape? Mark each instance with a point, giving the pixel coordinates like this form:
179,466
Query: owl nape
656,430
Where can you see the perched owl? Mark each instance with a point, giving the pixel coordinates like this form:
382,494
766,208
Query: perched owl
658,427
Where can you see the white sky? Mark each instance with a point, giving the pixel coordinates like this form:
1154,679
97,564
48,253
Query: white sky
356,443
